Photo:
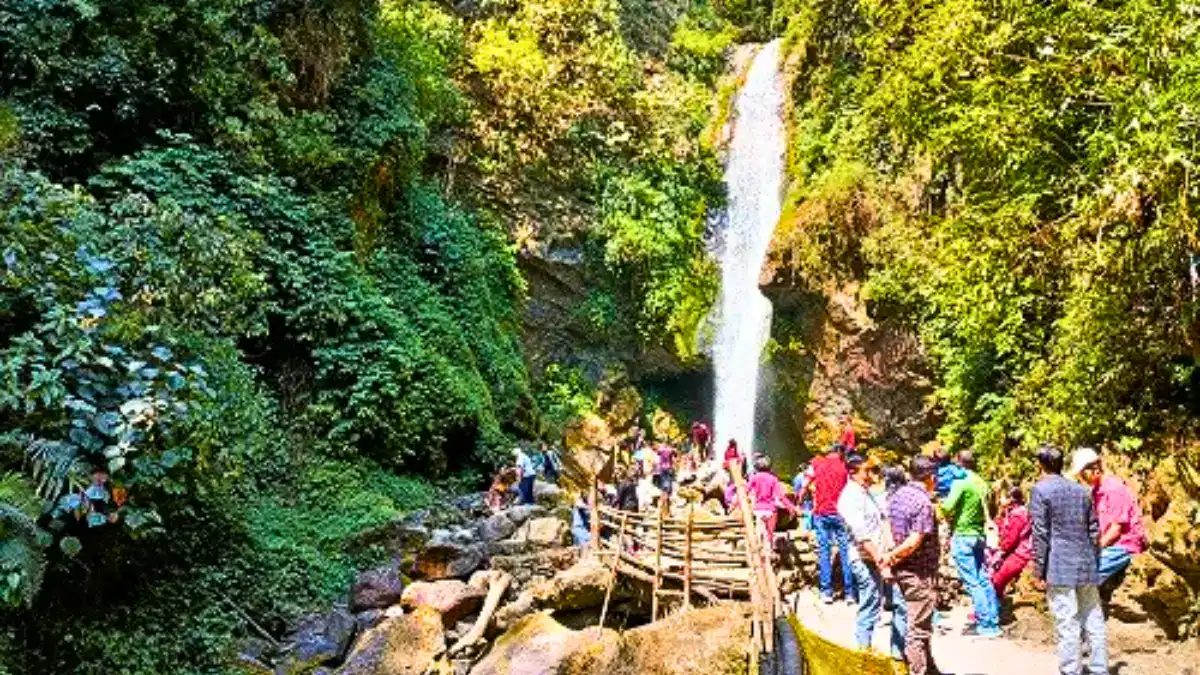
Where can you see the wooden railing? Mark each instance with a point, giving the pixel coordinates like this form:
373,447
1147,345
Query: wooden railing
694,553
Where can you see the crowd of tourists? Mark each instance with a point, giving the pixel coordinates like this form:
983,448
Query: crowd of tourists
888,527
1076,534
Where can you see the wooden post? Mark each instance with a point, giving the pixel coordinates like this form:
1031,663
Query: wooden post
761,596
594,520
662,506
612,580
687,559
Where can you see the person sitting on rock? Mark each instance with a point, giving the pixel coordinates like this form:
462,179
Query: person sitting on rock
1122,533
1015,549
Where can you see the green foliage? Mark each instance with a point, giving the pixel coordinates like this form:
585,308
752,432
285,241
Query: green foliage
1014,179
564,395
254,260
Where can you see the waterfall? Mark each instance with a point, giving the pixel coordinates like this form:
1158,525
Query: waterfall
754,179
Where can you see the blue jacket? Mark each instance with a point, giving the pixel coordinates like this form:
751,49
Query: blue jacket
947,474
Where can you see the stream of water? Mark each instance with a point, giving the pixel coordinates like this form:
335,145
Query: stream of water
754,178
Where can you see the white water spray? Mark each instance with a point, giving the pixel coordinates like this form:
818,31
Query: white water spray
754,178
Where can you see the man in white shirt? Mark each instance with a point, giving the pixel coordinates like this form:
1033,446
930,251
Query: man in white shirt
866,519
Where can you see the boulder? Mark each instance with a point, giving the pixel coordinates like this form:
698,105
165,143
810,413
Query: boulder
582,586
369,619
402,534
1153,592
452,598
519,514
317,640
376,589
539,645
544,532
399,646
708,641
495,528
530,568
547,494
447,560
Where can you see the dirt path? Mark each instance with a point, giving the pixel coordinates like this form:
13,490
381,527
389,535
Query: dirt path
962,655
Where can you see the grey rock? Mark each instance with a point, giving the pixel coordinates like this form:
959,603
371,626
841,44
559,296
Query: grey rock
447,560
495,528
376,589
519,514
317,640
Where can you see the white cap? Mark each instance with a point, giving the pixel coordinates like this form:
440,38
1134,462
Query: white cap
1082,459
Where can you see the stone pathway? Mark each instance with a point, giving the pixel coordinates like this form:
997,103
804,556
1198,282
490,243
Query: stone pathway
954,653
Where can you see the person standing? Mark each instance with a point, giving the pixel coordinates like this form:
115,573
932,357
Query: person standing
947,471
527,474
914,561
829,479
867,523
847,440
1016,541
550,464
665,473
766,495
733,456
965,507
1122,533
1066,532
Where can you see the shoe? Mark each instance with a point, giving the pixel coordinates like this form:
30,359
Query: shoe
985,633
827,599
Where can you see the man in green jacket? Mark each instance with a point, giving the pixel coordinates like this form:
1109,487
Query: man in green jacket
966,509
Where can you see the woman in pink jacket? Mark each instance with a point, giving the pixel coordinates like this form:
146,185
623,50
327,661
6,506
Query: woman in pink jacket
766,495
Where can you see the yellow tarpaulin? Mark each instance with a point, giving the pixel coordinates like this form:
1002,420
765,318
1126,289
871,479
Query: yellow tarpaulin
824,657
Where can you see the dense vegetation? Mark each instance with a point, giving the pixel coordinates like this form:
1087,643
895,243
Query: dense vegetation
260,263
1013,180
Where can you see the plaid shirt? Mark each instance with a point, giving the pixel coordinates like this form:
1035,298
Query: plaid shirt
1066,533
910,510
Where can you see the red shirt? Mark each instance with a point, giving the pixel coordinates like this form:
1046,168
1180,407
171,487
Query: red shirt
847,439
829,477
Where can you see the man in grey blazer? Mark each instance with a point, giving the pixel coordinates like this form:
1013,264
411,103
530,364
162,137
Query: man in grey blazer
1066,535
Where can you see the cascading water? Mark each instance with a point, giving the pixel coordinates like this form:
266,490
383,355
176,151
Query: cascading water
754,179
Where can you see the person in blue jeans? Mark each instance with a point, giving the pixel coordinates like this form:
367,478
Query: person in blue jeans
829,479
866,520
966,509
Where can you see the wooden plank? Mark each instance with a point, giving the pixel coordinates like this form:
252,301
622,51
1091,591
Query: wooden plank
658,561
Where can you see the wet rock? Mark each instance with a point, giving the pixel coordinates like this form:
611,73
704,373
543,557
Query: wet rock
376,589
447,560
495,528
254,655
539,645
317,640
452,598
401,646
543,532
